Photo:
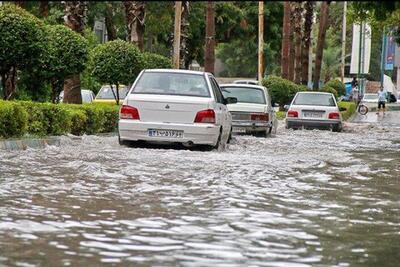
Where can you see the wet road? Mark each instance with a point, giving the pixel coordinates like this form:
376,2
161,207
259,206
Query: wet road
301,198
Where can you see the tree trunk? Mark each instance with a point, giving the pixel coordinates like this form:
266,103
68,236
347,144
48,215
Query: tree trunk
9,83
291,47
323,26
20,3
210,38
285,41
184,53
309,7
298,11
75,18
111,31
135,13
44,9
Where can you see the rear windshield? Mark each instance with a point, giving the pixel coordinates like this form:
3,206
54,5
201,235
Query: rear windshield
245,95
370,96
172,84
106,93
314,100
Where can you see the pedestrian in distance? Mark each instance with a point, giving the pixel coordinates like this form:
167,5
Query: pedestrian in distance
355,92
381,101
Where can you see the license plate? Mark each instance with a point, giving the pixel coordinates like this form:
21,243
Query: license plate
165,133
313,114
239,130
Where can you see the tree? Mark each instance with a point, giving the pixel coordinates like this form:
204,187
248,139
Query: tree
44,9
323,25
21,44
298,16
66,55
184,53
308,21
111,30
155,61
116,62
210,38
330,63
291,47
75,17
135,13
285,41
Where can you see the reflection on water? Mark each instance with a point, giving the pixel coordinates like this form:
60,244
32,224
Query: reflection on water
301,198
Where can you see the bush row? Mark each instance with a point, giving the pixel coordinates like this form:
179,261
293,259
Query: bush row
349,108
18,118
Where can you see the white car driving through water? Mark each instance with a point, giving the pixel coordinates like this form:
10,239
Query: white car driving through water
175,106
253,113
314,110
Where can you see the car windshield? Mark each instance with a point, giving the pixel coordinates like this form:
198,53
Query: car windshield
167,83
245,95
314,100
106,93
371,96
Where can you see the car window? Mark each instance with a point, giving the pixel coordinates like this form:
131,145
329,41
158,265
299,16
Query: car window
314,100
245,95
217,90
106,93
167,83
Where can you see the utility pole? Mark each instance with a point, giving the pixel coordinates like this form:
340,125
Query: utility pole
260,41
209,61
383,56
343,41
177,33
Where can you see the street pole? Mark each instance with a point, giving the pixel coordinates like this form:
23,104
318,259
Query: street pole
343,41
363,60
260,41
209,60
177,33
383,56
359,58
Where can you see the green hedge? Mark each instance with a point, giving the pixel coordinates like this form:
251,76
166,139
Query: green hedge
18,118
338,86
350,109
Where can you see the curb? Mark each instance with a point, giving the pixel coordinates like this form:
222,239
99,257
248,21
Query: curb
22,144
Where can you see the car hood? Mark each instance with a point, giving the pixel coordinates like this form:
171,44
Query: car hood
247,107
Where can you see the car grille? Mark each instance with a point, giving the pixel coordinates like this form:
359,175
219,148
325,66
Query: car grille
240,116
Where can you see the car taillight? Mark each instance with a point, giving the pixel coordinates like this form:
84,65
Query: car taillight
334,115
205,116
129,113
259,117
292,113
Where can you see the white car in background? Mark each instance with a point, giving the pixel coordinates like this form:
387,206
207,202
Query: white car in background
87,96
175,106
253,113
370,98
314,110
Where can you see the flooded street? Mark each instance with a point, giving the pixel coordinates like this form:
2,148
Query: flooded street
301,198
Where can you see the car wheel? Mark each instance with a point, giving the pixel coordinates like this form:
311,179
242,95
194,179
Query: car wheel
218,146
230,137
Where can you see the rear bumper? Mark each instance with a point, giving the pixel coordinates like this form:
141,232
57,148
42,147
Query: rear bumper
198,134
315,124
249,126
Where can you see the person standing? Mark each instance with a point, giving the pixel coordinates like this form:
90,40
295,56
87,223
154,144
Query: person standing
381,101
354,91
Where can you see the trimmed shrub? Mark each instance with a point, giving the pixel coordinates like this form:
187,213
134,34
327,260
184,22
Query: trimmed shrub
18,118
155,61
338,86
329,89
282,91
349,109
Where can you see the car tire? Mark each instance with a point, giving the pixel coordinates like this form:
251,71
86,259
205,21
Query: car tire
218,146
230,137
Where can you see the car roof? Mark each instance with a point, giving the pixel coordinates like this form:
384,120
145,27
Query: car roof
178,71
250,86
314,92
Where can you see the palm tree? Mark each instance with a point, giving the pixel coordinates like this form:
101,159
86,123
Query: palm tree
298,16
323,26
135,13
285,41
291,37
331,63
308,21
74,18
210,37
184,35
108,15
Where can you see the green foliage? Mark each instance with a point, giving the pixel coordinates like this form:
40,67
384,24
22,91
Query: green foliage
116,62
18,118
350,109
329,89
282,90
154,61
21,42
338,86
280,115
13,120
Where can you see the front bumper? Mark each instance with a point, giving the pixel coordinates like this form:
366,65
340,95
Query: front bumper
314,124
198,134
250,126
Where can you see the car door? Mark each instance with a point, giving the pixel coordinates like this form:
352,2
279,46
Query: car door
222,109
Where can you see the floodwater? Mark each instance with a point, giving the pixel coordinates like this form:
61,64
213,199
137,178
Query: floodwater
300,198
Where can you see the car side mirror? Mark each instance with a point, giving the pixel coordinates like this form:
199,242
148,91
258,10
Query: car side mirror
230,100
286,107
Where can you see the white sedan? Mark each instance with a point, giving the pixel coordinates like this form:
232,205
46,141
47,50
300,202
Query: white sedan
175,106
314,110
253,112
370,98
